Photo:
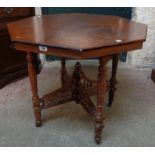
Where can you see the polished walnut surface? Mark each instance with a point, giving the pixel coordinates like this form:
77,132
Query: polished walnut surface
77,31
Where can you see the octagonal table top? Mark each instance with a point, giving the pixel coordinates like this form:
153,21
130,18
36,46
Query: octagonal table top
77,31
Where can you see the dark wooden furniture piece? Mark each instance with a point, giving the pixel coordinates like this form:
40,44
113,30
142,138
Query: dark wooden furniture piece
78,36
153,75
12,63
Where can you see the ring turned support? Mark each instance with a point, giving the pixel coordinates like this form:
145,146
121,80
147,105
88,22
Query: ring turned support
101,90
34,88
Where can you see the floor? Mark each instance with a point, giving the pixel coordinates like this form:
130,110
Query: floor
129,122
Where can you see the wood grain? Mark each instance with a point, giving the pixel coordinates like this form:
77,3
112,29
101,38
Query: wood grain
77,31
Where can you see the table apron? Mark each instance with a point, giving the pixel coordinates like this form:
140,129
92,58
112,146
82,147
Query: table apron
60,52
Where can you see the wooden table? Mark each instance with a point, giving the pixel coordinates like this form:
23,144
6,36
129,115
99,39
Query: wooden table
77,36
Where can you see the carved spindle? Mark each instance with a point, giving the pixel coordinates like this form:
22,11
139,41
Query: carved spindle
33,82
101,90
113,80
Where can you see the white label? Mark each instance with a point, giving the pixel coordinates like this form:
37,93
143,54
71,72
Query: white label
118,41
43,48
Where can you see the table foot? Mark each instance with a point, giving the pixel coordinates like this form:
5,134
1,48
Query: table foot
98,140
98,132
37,113
38,124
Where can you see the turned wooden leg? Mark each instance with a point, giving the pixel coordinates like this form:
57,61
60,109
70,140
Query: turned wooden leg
113,80
101,90
63,70
33,82
153,75
76,82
